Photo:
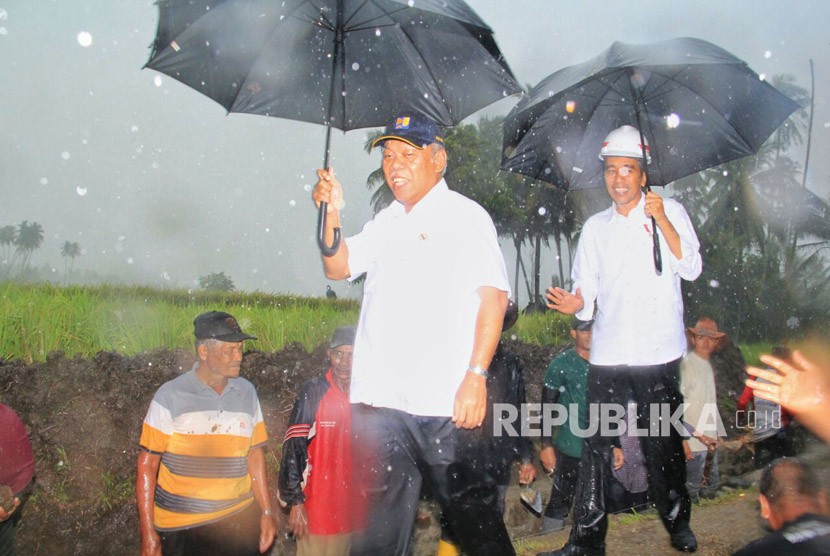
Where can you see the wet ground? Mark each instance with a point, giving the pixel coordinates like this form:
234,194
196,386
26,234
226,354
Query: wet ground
85,416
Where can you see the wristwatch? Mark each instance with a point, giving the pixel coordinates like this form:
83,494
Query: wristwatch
480,371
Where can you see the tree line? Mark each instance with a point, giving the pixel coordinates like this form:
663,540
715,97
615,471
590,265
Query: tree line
18,244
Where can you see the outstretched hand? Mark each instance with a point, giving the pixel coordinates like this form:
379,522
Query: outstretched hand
564,301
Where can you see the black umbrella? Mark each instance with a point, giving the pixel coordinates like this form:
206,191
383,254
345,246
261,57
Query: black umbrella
346,64
696,104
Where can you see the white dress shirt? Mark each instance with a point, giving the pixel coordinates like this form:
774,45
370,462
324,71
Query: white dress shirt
417,322
639,315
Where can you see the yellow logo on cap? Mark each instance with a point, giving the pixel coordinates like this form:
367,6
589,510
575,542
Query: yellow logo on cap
402,123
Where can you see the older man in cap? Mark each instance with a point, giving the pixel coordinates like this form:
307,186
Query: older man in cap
201,485
315,473
433,303
701,417
638,334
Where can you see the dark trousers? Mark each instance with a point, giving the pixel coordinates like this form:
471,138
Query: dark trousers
393,452
665,462
236,535
7,528
565,476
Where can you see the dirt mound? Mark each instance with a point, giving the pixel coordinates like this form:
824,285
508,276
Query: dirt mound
84,418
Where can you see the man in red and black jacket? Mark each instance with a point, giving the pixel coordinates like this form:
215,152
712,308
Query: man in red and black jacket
316,470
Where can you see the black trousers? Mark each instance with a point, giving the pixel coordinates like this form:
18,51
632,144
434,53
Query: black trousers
393,453
665,462
565,476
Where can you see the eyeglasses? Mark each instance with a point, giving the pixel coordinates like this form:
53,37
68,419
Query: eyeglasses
338,354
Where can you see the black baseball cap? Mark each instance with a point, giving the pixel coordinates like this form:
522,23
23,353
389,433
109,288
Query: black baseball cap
582,325
415,129
218,325
343,336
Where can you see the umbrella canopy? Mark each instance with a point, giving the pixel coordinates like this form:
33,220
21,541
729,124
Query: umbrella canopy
697,105
346,64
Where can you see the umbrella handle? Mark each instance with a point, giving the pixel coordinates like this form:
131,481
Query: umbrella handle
321,234
658,258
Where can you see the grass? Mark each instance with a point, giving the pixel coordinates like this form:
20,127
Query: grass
114,491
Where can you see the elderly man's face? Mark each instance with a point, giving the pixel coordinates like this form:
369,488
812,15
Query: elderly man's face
624,179
411,173
222,359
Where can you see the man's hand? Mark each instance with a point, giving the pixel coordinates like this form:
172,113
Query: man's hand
470,402
4,515
267,532
150,544
654,207
708,441
527,473
687,451
298,521
564,301
328,190
618,458
548,458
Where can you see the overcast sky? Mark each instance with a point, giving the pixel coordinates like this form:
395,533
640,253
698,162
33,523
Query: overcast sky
158,185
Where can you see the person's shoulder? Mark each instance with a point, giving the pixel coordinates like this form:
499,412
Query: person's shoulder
598,218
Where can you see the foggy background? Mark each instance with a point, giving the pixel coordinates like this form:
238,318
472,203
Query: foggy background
159,186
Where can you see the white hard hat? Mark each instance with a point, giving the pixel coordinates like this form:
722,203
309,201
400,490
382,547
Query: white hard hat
624,141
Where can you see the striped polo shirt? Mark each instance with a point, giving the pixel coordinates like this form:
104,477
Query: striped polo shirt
204,439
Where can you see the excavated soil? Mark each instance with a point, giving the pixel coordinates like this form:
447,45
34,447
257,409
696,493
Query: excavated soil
84,418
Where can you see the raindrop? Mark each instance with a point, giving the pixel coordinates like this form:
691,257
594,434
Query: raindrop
157,81
714,283
84,39
762,76
377,32
80,190
767,54
4,15
793,323
129,260
726,172
44,181
543,211
292,203
3,31
558,149
672,121
134,128
355,66
307,187
65,155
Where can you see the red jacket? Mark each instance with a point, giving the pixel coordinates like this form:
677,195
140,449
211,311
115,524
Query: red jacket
17,463
316,457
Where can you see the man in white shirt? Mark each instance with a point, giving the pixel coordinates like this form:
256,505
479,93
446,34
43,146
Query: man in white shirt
701,417
418,387
638,335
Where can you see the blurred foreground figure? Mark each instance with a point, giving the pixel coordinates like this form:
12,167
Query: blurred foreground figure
17,475
799,386
793,503
505,385
315,473
433,302
200,485
638,336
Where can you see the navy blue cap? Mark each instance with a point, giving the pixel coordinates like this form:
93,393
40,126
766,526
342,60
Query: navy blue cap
582,325
415,129
343,336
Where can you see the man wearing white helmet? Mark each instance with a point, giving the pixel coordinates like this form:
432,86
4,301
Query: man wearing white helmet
638,335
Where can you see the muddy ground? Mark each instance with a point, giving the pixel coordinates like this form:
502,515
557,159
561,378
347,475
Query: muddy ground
84,418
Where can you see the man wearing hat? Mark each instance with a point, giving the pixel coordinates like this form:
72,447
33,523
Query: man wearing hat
434,299
200,485
565,384
701,417
638,334
315,473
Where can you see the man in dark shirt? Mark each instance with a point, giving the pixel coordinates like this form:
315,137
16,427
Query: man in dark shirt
793,503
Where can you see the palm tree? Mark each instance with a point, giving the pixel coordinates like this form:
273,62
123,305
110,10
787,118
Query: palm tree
8,237
69,250
29,239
